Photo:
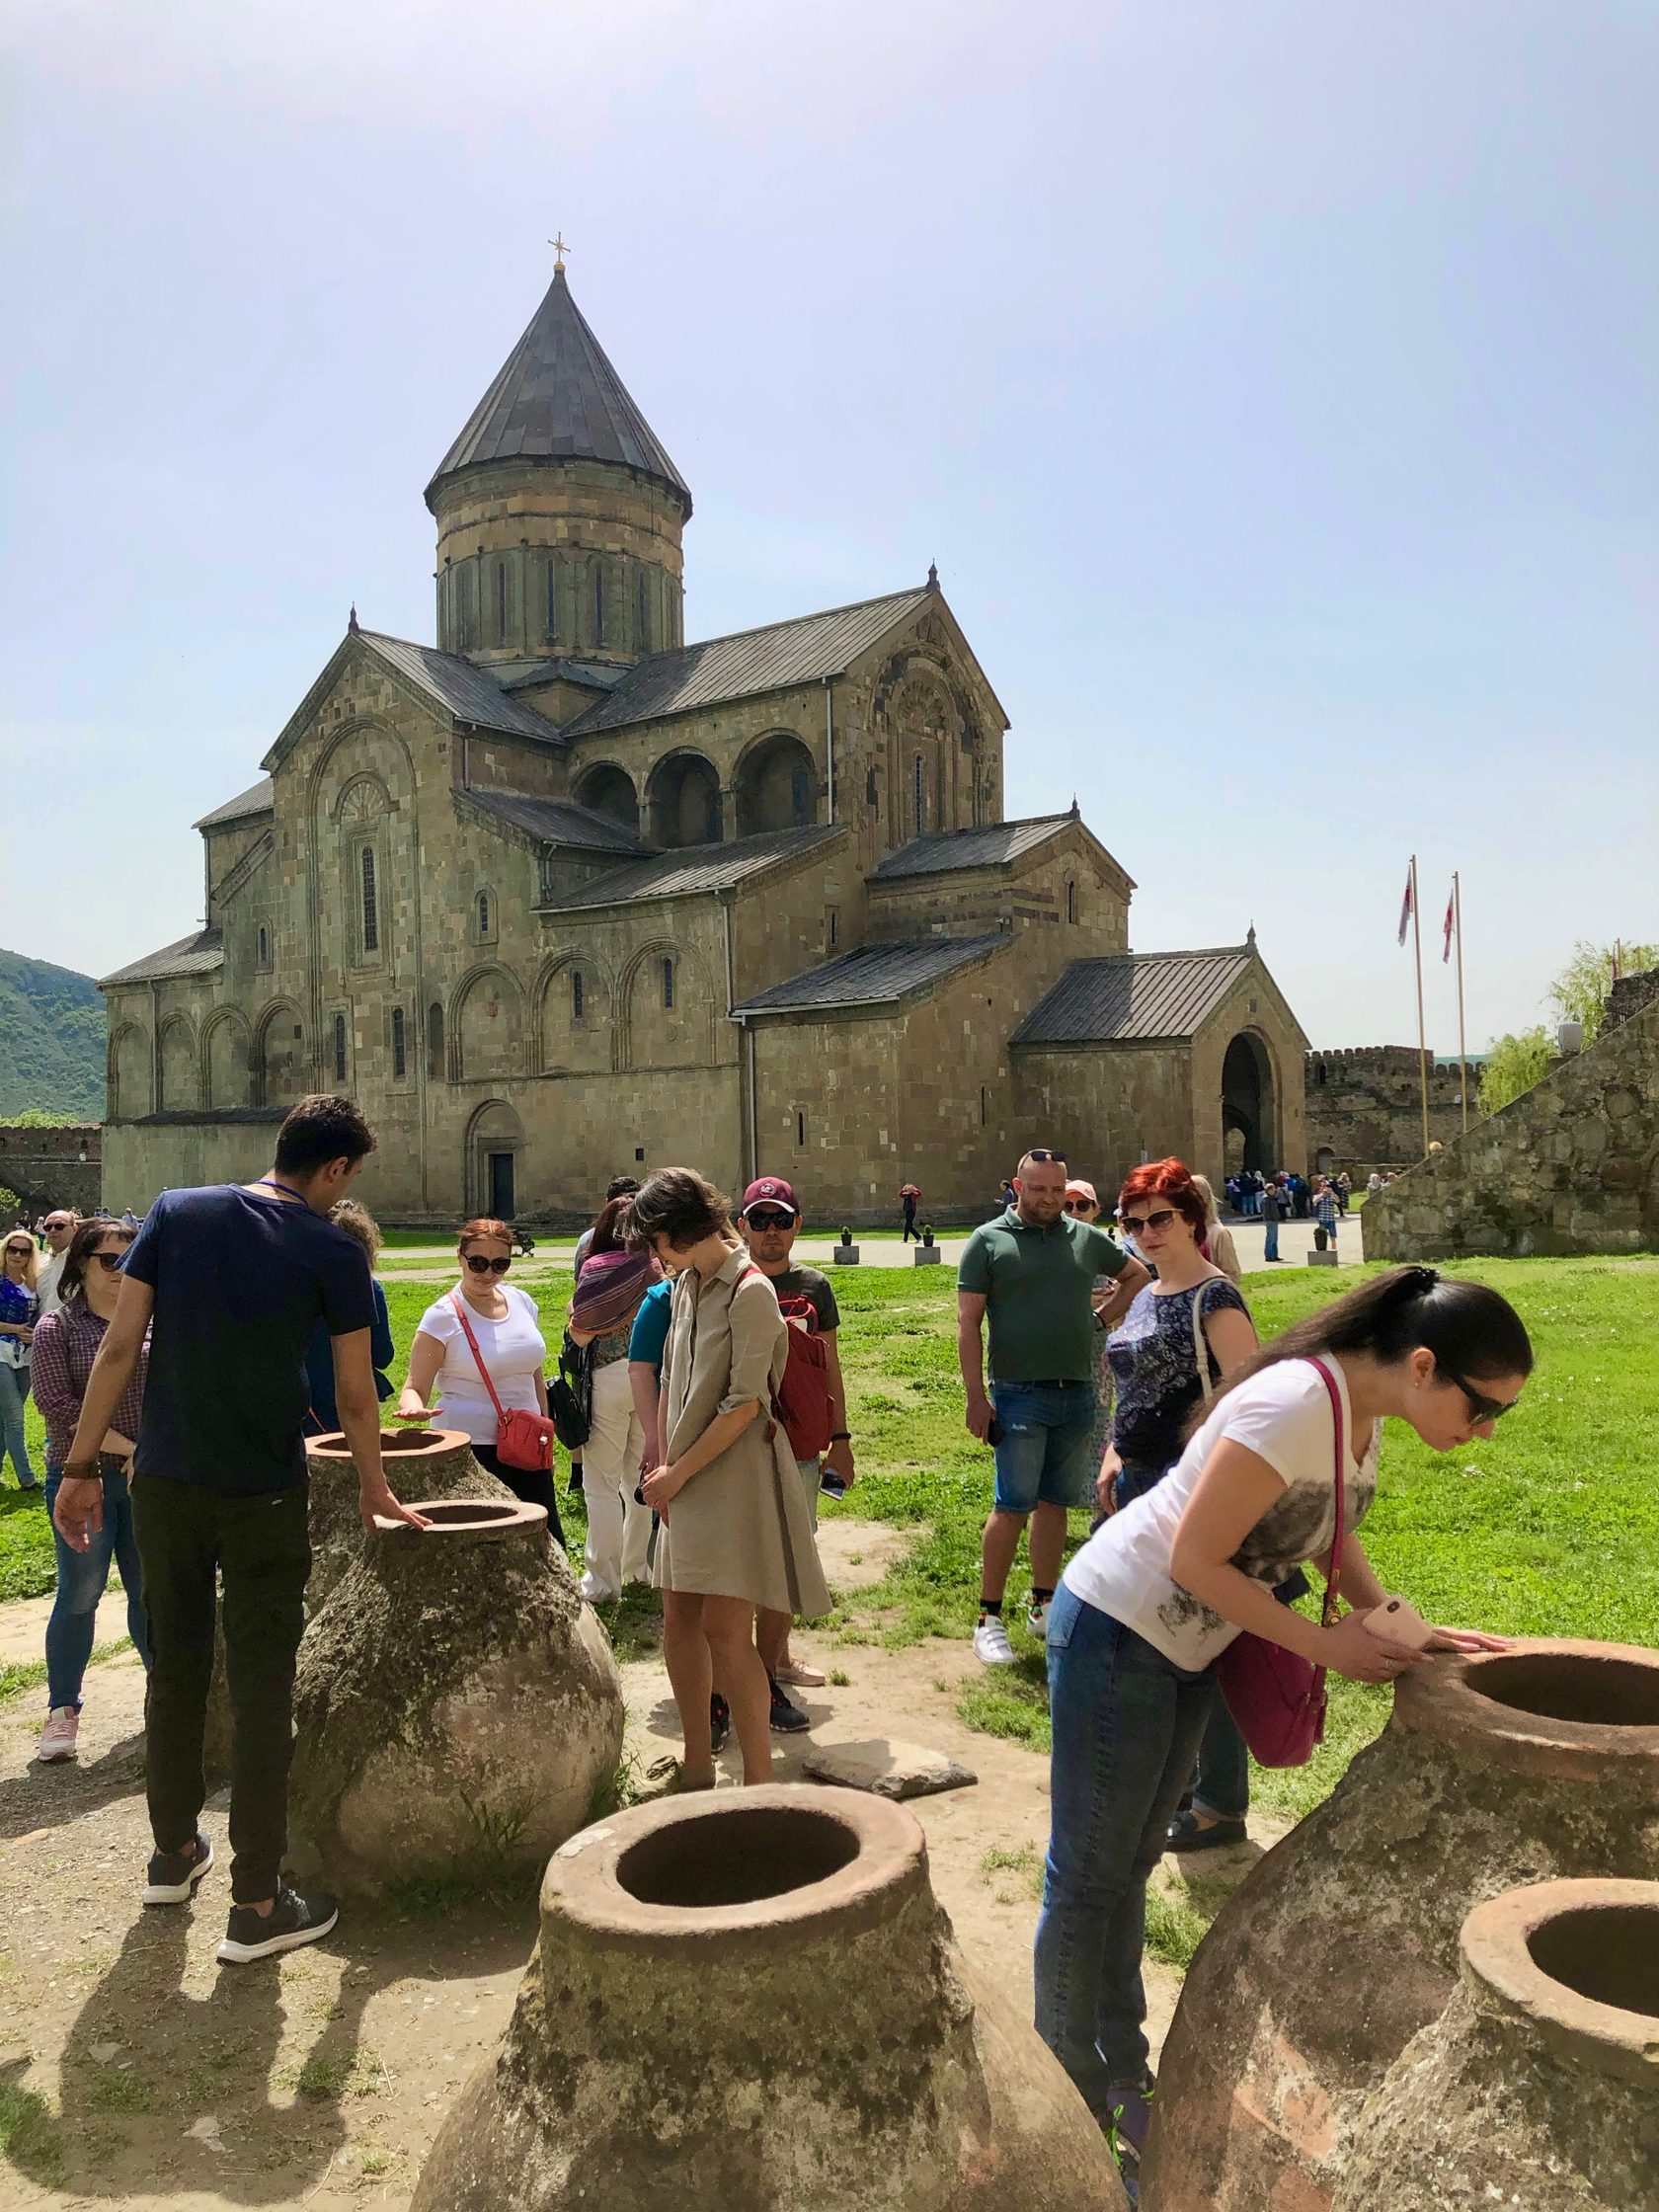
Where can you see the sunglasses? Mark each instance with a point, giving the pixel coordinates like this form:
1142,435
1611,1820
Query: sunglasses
1082,1205
19,1251
771,1220
1481,1407
109,1260
477,1264
1060,1158
1135,1222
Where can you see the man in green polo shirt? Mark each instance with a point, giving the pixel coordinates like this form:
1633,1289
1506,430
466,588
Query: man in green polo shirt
1031,1274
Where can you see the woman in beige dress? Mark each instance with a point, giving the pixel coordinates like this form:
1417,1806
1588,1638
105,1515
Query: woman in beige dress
736,1532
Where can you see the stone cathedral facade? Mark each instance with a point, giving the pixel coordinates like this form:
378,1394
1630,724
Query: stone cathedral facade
565,895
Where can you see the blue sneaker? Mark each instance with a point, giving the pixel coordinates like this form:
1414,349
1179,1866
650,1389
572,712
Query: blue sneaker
1131,2106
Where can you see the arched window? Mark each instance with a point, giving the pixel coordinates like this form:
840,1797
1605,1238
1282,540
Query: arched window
370,905
575,994
340,1048
501,600
483,913
920,796
668,981
644,616
434,1042
552,602
598,604
463,606
400,1045
264,946
1070,900
799,1129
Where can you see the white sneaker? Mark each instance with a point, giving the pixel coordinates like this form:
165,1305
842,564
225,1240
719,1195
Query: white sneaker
57,1737
991,1643
1037,1620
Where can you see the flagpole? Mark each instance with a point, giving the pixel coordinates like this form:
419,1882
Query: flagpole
1463,1048
1422,1035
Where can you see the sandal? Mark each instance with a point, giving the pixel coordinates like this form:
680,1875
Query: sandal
1188,1833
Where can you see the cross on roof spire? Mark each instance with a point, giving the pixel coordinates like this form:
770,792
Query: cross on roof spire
559,250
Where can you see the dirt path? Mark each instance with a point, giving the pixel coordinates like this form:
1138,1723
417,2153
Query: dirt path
134,2070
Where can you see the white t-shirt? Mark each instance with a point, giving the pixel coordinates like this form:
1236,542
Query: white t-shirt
46,1289
515,1351
1284,1414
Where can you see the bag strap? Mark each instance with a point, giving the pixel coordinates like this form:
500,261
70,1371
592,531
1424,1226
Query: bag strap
1201,1343
1334,1577
461,1315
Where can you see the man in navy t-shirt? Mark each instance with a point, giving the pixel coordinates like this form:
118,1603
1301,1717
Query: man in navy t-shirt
231,1281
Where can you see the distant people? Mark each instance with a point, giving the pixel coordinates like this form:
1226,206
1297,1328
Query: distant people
1374,1183
1030,1275
813,1403
20,1306
1216,1240
734,1535
66,1342
1272,1210
1325,1208
1009,1194
500,1368
909,1199
1344,1187
612,1283
619,1186
234,1280
322,1415
1082,1202
57,1230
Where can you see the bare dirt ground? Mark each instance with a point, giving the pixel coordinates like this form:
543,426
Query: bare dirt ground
134,2070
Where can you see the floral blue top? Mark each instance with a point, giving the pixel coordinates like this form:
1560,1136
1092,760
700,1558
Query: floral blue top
18,1308
1155,1365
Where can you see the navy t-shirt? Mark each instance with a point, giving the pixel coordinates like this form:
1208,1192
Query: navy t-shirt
240,1281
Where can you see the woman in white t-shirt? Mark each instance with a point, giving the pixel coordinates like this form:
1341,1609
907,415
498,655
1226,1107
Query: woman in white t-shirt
1160,1590
507,1327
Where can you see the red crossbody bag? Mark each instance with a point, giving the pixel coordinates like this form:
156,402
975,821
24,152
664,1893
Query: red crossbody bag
523,1439
1277,1697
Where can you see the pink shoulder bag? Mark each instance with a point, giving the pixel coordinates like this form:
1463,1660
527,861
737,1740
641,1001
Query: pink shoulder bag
1277,1697
523,1439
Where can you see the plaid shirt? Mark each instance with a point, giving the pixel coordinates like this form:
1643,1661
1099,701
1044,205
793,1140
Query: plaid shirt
65,1345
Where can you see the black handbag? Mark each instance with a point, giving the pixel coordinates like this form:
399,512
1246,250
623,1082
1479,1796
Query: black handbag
570,1397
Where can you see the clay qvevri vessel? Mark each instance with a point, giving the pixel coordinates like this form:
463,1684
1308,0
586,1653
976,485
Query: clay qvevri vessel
456,1704
752,2000
1539,2085
434,1463
1496,1771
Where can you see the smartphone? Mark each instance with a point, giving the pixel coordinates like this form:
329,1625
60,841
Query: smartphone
831,1483
993,1434
1397,1621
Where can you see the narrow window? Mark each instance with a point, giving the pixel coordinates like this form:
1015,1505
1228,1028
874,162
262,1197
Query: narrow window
463,606
434,1042
598,604
400,1051
985,1106
575,994
644,616
552,604
711,813
371,909
1070,902
340,1048
800,1130
500,598
800,797
667,983
833,926
921,797
483,913
264,946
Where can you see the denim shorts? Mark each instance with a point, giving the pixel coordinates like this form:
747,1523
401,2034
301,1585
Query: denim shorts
1044,1458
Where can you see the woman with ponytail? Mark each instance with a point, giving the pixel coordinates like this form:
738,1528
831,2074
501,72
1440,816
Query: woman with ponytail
1160,1591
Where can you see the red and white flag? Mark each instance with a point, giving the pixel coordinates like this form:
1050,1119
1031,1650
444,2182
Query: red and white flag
1450,925
1405,909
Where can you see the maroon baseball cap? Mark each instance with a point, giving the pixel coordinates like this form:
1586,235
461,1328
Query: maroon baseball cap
771,1190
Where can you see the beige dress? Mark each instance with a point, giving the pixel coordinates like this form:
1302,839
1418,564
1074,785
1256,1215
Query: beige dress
740,1529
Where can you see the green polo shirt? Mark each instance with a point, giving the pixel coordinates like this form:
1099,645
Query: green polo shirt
1037,1286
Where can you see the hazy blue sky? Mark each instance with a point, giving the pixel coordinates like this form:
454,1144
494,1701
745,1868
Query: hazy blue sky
1274,385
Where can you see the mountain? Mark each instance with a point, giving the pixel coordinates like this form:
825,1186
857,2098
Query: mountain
51,1040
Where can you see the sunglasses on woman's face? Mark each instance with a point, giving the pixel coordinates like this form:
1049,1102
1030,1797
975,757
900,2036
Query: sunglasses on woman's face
110,1261
1135,1222
1481,1408
477,1264
1081,1206
19,1251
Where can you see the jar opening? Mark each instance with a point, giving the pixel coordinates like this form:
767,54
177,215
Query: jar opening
735,1858
1609,1954
1571,1686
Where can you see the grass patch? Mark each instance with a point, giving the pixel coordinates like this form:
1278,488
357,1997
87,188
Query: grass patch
29,2135
107,2088
326,2077
1174,1927
29,1674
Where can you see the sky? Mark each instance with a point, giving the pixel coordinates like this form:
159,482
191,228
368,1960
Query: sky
1274,387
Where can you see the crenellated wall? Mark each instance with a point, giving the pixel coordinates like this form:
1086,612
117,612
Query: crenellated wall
1365,1107
49,1167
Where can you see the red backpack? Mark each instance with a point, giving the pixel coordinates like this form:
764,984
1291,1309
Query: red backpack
801,1401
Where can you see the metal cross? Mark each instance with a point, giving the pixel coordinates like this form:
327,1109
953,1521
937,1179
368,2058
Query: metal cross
560,249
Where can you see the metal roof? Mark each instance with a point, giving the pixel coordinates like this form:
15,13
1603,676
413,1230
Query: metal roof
199,954
1135,994
556,397
874,975
454,685
556,821
692,868
938,852
259,798
718,669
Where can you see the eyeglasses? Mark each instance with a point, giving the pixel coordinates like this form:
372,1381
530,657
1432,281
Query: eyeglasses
1481,1407
109,1260
1082,1205
477,1264
19,1251
1135,1222
1058,1157
771,1220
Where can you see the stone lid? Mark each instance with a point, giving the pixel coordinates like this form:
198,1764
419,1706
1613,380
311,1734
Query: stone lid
1547,1706
1576,1959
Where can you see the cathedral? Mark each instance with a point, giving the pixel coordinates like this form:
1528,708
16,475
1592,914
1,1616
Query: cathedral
564,897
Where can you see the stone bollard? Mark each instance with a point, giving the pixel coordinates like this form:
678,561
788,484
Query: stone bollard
928,1255
752,2001
1539,2085
456,1705
1495,1770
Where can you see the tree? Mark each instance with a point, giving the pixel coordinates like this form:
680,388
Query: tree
37,1117
11,1206
1513,1066
1580,991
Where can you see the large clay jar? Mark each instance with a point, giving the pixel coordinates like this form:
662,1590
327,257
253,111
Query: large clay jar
456,1705
429,1463
752,2001
1538,2085
1496,1771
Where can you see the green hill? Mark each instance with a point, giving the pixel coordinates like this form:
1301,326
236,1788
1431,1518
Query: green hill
51,1041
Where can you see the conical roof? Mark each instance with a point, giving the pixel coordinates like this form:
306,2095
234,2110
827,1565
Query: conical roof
558,398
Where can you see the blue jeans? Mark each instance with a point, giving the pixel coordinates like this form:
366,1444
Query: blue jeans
81,1580
1044,1455
1127,1727
1270,1238
14,1389
1221,1786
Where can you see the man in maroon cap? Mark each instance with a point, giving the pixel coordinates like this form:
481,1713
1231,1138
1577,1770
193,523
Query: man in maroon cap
771,1220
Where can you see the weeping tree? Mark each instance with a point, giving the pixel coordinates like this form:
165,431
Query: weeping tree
1580,991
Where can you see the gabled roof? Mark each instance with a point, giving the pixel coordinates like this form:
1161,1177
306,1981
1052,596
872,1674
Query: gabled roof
1135,995
452,682
555,398
196,955
559,668
874,975
692,868
259,798
751,662
557,821
938,852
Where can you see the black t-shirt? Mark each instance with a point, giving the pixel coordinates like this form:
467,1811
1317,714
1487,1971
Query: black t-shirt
807,1282
240,1281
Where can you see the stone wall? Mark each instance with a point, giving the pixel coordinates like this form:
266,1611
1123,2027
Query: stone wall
1628,996
1364,1108
1571,1166
49,1167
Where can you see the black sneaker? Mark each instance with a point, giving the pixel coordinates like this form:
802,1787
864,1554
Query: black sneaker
172,1875
294,1920
787,1720
720,1720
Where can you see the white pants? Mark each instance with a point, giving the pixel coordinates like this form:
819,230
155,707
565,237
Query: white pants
618,1529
